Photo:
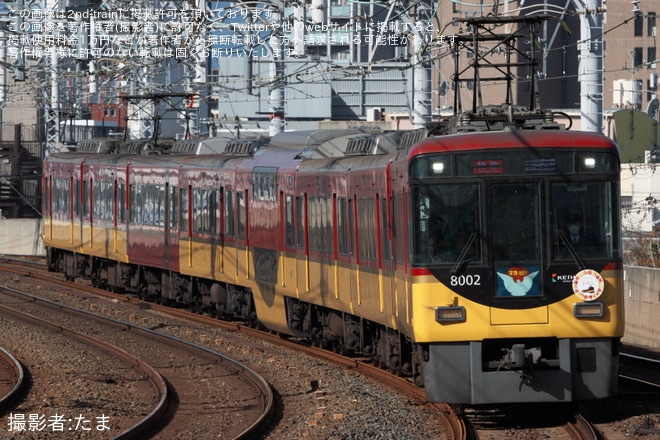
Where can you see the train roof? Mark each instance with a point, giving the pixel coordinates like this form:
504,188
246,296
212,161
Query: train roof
317,144
514,138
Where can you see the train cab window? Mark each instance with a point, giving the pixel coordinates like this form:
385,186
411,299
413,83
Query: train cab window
516,237
446,219
516,222
585,220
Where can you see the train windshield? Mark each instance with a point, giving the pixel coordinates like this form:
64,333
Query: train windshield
447,219
449,228
585,221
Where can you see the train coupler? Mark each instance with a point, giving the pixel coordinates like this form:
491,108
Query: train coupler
518,357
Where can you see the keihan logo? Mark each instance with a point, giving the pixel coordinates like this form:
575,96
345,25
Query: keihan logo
556,278
518,280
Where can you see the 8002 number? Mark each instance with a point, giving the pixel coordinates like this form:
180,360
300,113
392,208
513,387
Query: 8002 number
465,280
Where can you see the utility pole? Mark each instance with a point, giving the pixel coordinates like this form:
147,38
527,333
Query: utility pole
276,87
590,72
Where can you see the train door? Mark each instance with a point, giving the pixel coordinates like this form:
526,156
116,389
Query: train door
517,250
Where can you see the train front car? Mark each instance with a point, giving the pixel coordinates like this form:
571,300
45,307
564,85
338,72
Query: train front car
514,280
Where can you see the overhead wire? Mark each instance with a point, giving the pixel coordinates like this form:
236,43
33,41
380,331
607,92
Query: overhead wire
310,71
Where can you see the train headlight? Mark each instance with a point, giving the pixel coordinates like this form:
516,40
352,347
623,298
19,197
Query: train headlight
450,314
589,163
438,167
588,310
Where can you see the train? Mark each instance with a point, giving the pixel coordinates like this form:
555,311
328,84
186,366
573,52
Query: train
447,254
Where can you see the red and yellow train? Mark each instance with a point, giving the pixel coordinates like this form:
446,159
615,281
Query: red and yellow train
451,259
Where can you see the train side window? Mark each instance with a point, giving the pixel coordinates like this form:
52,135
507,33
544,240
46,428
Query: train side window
351,227
45,200
397,227
300,222
86,209
320,227
77,210
384,242
173,213
61,196
199,210
314,222
240,221
102,198
159,200
290,242
205,211
183,192
229,213
367,237
214,212
342,230
136,197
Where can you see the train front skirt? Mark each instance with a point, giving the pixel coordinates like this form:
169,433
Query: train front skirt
586,369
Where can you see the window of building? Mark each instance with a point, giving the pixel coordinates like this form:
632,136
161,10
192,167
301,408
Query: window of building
650,58
639,25
638,57
650,23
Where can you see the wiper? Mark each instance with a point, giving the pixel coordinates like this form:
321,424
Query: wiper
571,250
461,258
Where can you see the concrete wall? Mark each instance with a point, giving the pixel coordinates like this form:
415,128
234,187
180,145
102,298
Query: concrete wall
21,237
641,291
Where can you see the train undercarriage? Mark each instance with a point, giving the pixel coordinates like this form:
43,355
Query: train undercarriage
330,329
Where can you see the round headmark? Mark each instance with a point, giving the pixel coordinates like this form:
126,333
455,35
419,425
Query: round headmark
588,285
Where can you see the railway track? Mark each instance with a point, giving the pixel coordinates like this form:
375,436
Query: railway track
12,379
172,367
529,421
575,426
454,426
641,370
